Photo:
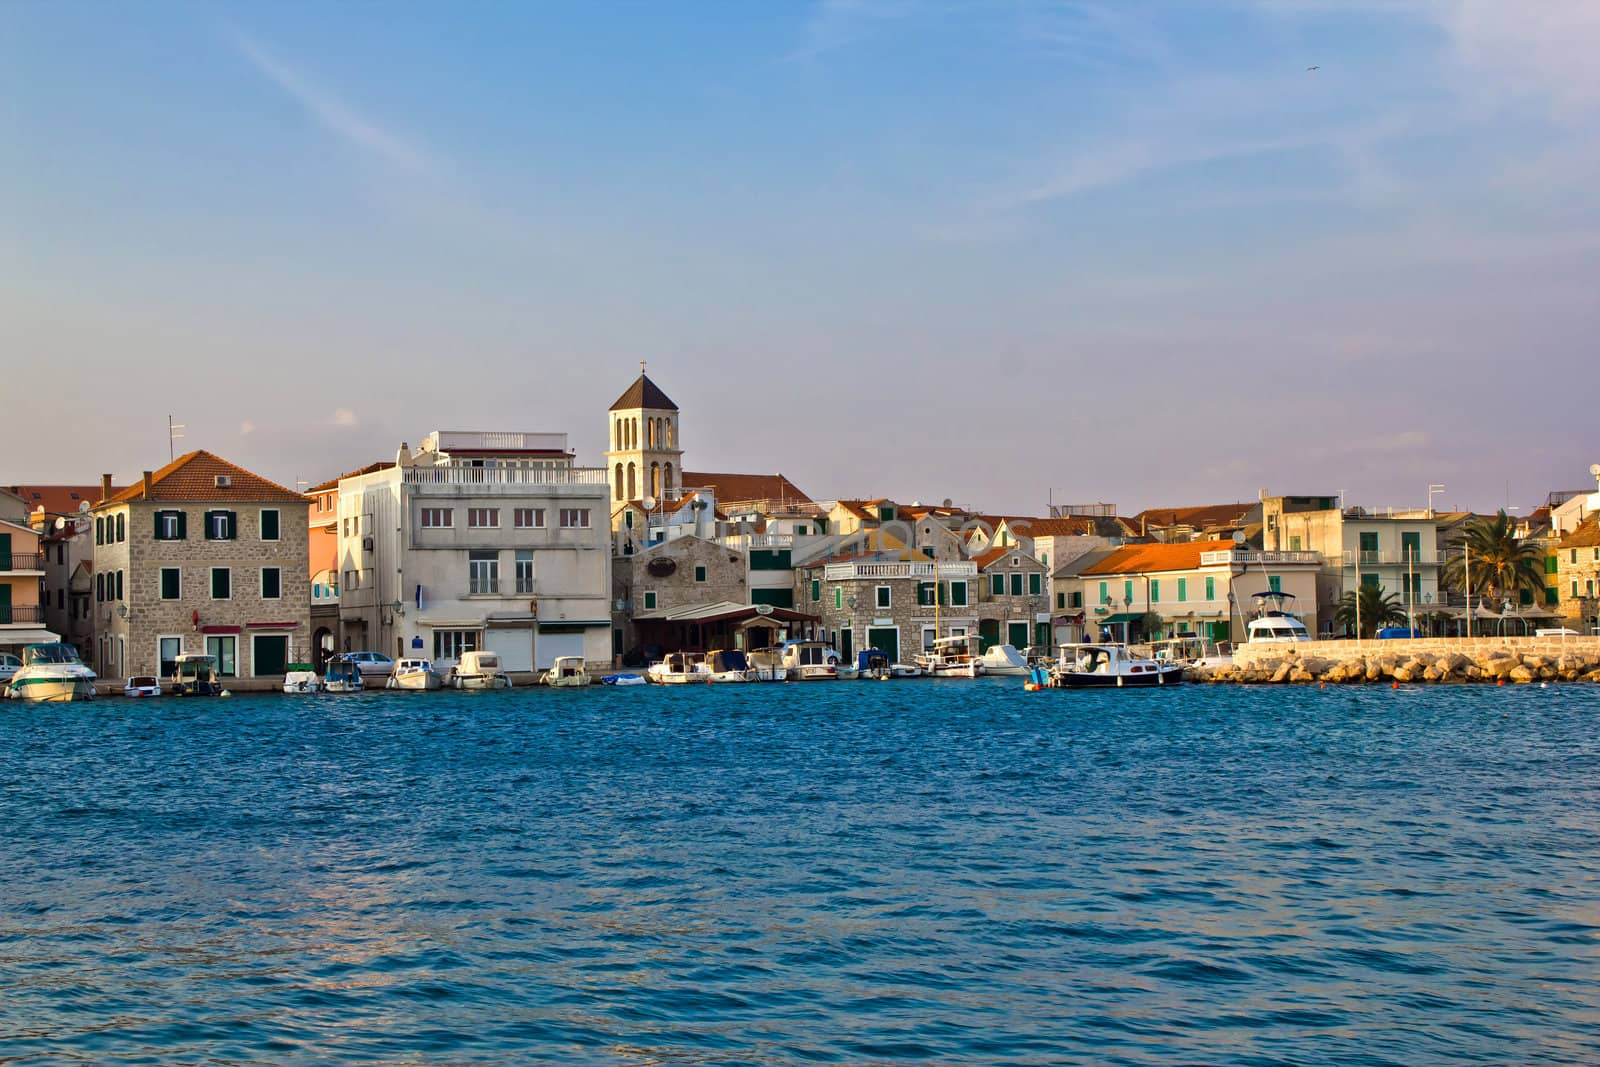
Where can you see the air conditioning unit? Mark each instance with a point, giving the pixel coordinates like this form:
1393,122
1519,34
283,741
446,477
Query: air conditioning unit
224,481
366,544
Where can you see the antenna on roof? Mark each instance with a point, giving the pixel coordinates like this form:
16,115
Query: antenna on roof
172,435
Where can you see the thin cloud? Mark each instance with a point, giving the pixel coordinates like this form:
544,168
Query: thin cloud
345,417
247,427
332,112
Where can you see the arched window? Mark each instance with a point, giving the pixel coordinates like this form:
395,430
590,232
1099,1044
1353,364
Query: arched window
619,481
655,480
633,489
633,433
666,478
672,432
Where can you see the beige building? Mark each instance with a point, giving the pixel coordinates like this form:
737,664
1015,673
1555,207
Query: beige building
201,556
22,570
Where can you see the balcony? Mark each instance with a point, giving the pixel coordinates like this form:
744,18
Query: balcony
20,614
470,441
22,563
1396,559
755,541
845,572
1246,558
462,475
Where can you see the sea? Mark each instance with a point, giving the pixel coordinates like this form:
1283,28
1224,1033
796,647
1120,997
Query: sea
849,872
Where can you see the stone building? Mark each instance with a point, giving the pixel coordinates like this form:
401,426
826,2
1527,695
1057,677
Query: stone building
201,556
645,458
1577,557
1013,604
657,582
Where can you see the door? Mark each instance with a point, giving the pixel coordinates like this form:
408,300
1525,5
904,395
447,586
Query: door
269,655
5,553
515,645
1017,635
885,640
847,646
988,633
5,603
224,649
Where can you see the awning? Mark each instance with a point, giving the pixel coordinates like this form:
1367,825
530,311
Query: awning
1120,618
28,637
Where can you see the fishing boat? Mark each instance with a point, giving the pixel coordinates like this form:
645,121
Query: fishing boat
194,674
1192,650
678,668
873,663
51,674
1275,622
766,665
727,665
807,661
414,674
142,686
301,678
566,672
952,657
1003,659
342,674
1108,666
478,670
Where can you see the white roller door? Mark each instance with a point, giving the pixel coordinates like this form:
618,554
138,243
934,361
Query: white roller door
514,645
552,645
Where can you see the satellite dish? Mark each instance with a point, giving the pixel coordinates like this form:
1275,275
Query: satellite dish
1238,537
1594,469
61,522
649,502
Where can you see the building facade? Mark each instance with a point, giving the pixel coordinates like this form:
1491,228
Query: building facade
22,572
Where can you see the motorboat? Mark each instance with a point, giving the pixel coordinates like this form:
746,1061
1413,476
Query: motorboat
51,674
565,672
678,668
952,657
1192,650
1003,659
1107,666
300,678
1275,622
342,674
807,661
873,663
766,665
142,685
478,670
623,679
847,672
416,674
194,674
727,665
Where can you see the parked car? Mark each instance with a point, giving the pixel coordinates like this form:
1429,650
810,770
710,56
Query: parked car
1391,632
9,665
372,663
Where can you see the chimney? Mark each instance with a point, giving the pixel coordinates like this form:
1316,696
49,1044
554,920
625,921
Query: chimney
148,485
105,488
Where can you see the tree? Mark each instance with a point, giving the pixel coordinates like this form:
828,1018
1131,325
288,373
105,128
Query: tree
1376,610
1502,564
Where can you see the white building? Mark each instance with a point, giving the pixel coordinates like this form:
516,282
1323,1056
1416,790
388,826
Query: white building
477,541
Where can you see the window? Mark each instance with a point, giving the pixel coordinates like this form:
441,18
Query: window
171,583
450,644
997,585
119,585
574,518
483,573
271,583
886,513
269,524
100,536
432,519
838,598
1294,546
221,526
1127,591
801,529
1016,583
1574,555
1105,596
1183,590
1275,583
925,594
347,527
1076,599
221,583
167,649
1369,543
1061,601
1155,591
1411,546
1211,589
122,527
700,573
225,649
528,518
958,594
524,565
816,590
883,596
1552,597
100,588
483,518
1574,587
169,526
1370,579
1551,564
649,600
1035,584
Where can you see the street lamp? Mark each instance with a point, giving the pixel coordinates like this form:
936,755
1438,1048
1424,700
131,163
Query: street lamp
1127,609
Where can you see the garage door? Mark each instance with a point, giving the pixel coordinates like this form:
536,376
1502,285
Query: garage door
551,645
269,655
1017,635
514,645
885,640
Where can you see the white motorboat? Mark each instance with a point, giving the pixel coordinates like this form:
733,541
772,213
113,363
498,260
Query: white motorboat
478,670
51,674
342,674
952,657
194,674
678,668
565,672
415,674
766,665
142,685
1192,650
1275,623
727,665
807,661
300,678
1003,659
1108,666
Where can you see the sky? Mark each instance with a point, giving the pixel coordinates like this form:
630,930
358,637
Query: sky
1001,252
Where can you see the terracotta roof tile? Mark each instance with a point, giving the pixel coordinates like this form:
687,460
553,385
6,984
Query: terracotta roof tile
644,393
734,487
59,499
1585,535
1199,517
1156,556
333,483
193,477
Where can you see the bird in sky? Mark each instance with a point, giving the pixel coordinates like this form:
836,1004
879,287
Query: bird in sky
1314,68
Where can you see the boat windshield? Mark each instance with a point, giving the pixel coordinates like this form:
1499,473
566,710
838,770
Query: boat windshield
728,661
1092,661
59,653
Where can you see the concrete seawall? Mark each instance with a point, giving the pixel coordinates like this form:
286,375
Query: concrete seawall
1440,659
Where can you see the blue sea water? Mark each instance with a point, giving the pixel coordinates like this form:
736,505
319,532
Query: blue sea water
826,873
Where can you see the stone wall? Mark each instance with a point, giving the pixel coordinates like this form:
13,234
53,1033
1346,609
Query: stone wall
1497,660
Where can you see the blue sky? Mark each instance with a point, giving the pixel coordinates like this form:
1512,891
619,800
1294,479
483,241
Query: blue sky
1127,251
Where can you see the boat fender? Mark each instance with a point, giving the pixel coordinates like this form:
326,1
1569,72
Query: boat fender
224,693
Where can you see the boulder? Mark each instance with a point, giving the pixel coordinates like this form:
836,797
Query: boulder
1373,671
1282,673
1500,667
1432,674
1402,674
1519,673
1299,675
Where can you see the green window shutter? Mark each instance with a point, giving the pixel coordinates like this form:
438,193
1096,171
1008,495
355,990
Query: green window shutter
838,597
1411,545
1370,579
221,584
1035,584
210,525
1127,591
1275,583
1155,591
1550,564
122,527
183,525
171,583
997,584
1183,590
100,536
816,589
119,585
156,533
1211,589
649,600
1104,595
1369,542
233,525
1061,601
269,525
958,594
1294,543
1077,599
1016,583
1525,596
1552,596
883,596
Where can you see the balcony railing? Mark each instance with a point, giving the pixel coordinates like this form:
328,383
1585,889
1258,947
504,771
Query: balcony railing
1247,558
751,541
1376,559
22,561
494,441
461,475
844,572
483,587
11,614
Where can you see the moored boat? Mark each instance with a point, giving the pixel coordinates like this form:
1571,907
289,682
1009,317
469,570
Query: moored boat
51,674
1108,666
566,672
342,674
1003,659
142,685
414,674
766,665
194,674
301,678
479,670
677,668
727,665
807,661
952,657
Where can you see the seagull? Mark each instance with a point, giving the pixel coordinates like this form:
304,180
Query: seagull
1314,68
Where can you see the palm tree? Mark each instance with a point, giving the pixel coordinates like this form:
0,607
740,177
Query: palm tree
1372,607
1502,564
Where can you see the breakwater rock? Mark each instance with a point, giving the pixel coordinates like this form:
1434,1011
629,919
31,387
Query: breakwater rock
1286,664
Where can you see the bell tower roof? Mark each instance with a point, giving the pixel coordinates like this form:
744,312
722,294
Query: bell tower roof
644,393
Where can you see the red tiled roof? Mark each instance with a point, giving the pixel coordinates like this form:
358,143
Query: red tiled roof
1070,526
1156,556
59,499
193,477
731,487
333,483
644,393
1586,535
1199,517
